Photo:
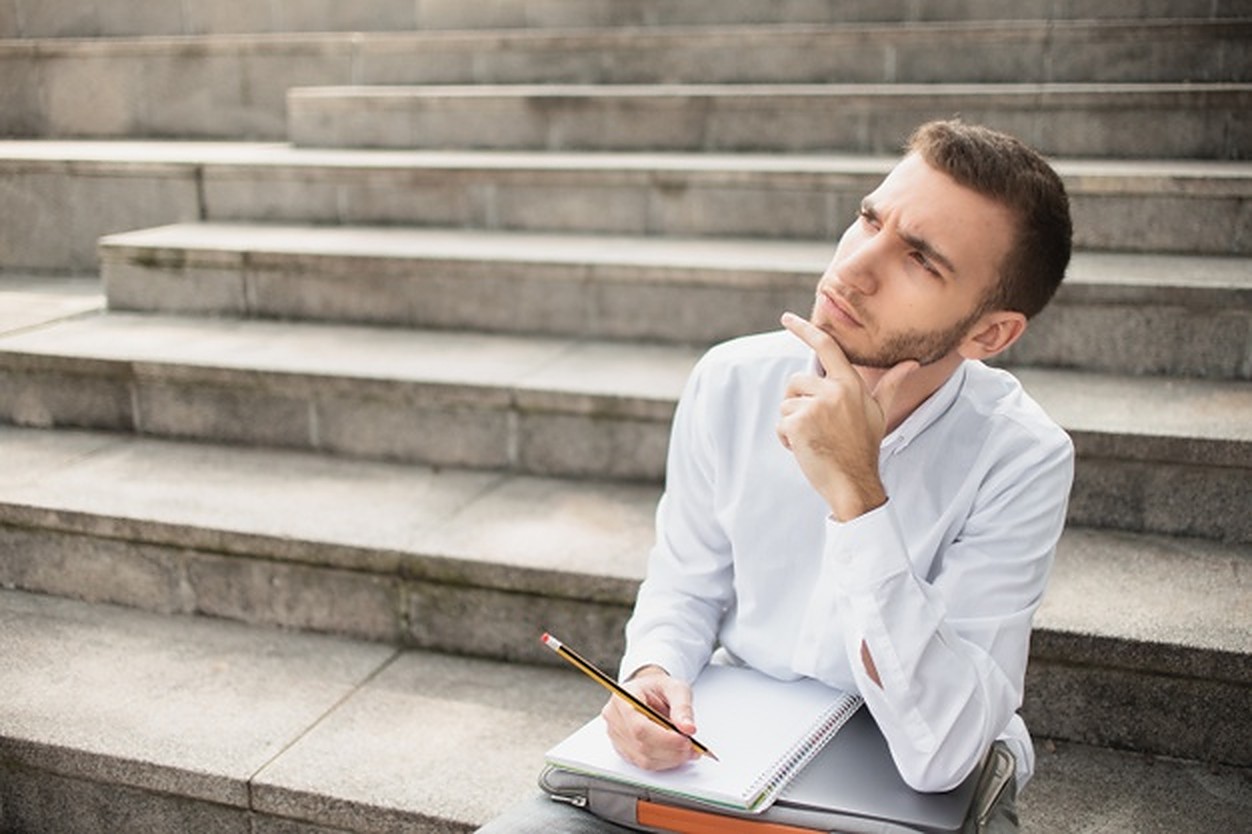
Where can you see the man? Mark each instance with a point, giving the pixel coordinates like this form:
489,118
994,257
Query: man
858,498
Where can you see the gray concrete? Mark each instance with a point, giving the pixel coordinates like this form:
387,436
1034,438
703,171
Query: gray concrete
1184,121
195,712
460,562
1115,313
1146,207
93,18
1167,456
233,87
360,738
34,301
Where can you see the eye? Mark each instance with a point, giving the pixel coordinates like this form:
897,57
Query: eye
925,264
867,216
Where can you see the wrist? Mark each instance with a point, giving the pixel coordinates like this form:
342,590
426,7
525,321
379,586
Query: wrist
855,500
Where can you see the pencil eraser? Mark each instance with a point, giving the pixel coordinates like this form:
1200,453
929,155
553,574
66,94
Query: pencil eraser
546,638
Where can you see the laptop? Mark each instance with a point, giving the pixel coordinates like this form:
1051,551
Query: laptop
855,777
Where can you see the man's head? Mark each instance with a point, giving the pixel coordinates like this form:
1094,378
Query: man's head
1003,168
965,239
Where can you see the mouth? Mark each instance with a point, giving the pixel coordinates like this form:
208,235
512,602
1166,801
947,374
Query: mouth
838,308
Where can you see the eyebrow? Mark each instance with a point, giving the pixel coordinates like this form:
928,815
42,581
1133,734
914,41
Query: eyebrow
920,244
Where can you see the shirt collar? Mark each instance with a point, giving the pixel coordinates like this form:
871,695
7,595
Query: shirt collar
931,409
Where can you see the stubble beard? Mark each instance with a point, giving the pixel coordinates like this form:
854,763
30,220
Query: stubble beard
926,347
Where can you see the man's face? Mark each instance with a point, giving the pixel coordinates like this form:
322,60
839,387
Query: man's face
910,274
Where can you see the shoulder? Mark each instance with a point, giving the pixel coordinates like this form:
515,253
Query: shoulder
757,357
997,398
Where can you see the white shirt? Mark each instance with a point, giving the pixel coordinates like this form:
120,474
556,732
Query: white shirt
941,582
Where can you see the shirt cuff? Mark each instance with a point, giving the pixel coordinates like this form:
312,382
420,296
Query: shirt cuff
869,550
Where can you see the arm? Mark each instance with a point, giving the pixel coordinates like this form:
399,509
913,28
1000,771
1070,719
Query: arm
680,605
940,662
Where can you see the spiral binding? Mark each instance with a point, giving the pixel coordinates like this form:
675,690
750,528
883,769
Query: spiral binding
774,778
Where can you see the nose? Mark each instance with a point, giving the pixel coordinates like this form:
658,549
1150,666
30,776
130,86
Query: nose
859,259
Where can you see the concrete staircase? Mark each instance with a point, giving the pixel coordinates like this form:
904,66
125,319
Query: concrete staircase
339,342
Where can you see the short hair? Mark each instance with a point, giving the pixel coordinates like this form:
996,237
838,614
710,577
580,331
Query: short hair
1015,175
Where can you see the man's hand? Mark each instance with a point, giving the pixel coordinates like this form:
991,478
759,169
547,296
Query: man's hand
834,424
639,739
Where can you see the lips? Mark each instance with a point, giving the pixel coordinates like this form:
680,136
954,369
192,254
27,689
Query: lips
839,308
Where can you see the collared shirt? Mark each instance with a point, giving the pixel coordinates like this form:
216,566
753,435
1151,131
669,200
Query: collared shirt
940,583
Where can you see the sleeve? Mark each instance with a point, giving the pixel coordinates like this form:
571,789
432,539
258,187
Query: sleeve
681,603
950,652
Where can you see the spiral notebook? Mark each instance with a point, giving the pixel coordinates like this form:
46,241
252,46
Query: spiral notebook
763,731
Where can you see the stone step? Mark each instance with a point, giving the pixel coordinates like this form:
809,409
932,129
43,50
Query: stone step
1142,641
60,197
32,301
1162,455
241,82
1179,315
177,724
92,18
1185,121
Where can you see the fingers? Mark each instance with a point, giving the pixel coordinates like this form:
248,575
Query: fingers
640,740
888,386
829,354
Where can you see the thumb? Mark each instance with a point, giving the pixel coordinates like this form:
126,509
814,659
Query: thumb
888,386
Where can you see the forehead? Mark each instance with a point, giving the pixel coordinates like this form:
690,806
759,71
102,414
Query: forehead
971,230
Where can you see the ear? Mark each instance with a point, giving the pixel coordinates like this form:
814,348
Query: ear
993,334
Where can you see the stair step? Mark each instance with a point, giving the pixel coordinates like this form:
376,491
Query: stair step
1118,313
1199,121
1166,455
77,19
282,729
241,81
98,188
33,301
401,554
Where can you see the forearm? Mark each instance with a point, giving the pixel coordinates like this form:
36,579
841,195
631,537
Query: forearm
939,698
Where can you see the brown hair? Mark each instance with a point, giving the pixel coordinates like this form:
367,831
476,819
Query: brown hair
1010,172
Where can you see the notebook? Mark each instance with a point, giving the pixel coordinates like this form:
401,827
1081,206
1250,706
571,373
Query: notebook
763,731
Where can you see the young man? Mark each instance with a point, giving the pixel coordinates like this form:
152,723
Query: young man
858,498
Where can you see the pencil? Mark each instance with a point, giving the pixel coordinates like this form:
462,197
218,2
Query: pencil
588,668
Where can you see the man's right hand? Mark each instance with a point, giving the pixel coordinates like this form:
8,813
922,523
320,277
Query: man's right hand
639,739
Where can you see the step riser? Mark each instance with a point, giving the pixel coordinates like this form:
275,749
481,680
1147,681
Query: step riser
83,800
1068,689
1159,485
667,304
242,83
1157,339
1156,714
1213,124
80,18
484,428
1129,214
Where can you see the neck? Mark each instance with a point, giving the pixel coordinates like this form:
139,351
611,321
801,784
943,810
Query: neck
915,389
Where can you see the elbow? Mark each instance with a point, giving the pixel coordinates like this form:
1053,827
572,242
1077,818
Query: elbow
943,770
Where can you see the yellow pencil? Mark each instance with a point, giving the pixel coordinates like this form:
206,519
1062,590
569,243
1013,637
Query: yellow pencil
588,668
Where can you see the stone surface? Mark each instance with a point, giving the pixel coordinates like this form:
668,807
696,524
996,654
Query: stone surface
380,758
30,302
460,561
1087,790
195,711
1158,207
361,738
78,18
1185,316
1084,120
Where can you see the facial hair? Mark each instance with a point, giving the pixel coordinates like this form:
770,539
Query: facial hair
926,347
